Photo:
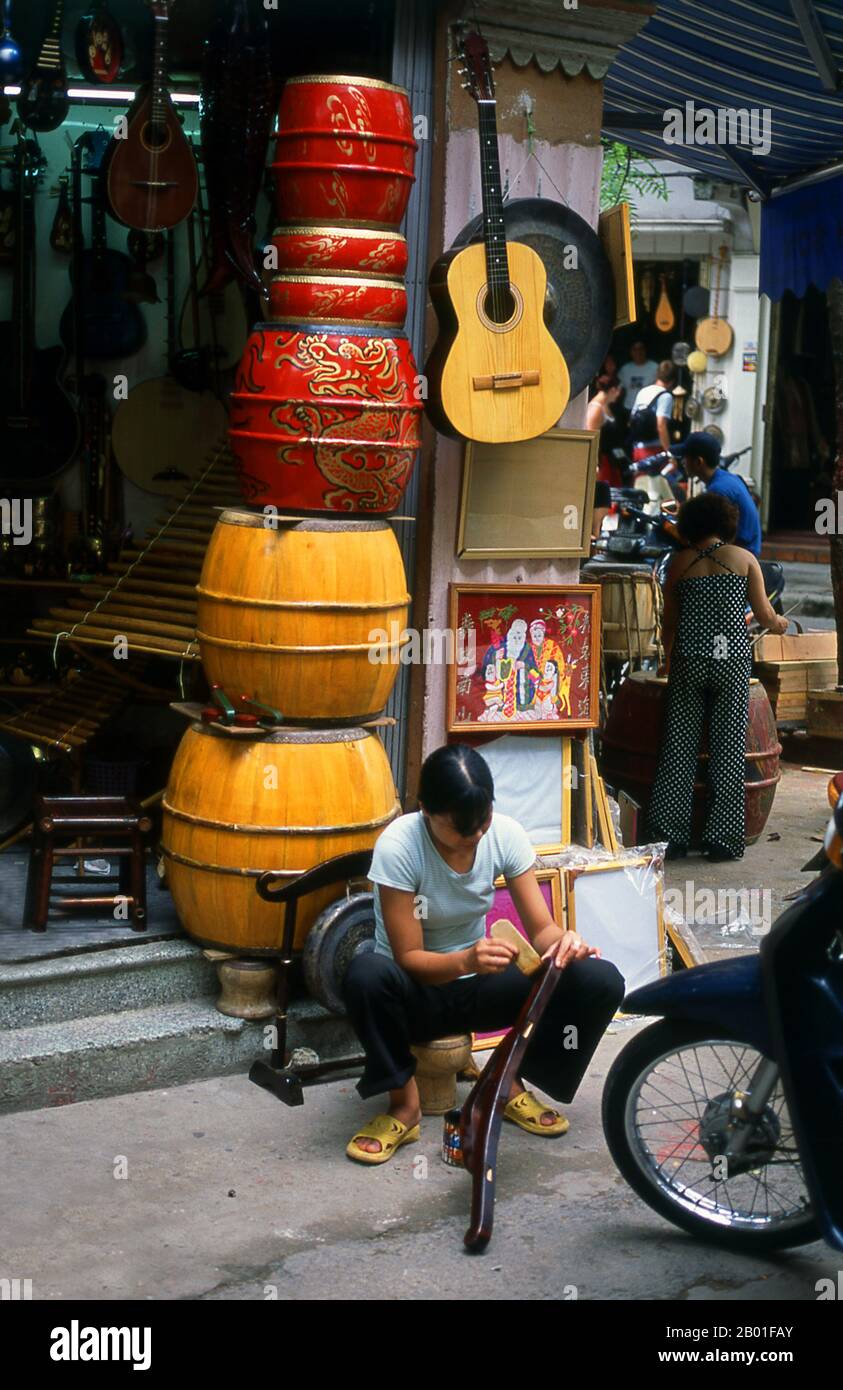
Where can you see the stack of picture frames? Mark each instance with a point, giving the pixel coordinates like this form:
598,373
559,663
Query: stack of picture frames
527,664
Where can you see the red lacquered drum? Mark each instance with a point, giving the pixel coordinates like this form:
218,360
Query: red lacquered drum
344,149
338,299
340,250
325,420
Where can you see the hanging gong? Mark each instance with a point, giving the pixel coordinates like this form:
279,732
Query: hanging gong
715,432
679,354
695,301
580,303
714,399
693,408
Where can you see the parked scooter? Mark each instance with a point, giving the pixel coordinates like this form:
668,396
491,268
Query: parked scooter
726,1117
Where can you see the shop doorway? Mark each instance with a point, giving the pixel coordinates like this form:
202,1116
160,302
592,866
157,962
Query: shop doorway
803,438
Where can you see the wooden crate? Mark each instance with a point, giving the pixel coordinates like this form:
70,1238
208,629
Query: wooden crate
825,714
800,646
787,684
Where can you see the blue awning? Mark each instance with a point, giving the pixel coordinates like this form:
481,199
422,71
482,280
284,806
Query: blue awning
733,54
802,239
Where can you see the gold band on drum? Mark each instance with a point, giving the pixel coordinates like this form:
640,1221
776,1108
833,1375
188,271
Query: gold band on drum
320,80
278,829
231,644
296,277
307,605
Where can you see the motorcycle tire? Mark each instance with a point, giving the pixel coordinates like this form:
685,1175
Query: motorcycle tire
654,1043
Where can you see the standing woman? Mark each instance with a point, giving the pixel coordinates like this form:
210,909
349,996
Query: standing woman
709,656
434,973
598,416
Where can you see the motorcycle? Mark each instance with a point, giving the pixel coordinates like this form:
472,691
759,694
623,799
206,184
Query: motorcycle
726,1117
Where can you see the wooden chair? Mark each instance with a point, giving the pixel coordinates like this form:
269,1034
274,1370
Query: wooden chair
118,826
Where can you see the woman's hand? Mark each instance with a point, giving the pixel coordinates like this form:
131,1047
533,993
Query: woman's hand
782,625
489,957
570,947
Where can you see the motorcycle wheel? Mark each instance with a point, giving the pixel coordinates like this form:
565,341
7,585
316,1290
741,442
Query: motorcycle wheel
664,1099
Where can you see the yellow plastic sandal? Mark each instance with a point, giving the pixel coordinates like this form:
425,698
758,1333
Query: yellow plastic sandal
526,1110
390,1134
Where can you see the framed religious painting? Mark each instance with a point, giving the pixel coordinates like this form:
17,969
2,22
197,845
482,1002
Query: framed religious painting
528,658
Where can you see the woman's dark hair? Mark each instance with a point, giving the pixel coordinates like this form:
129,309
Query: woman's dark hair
455,781
710,514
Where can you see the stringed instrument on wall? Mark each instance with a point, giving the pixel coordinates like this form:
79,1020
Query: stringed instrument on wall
99,45
43,102
665,319
714,335
151,178
495,374
108,324
39,428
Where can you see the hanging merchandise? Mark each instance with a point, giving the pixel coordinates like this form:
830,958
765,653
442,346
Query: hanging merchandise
150,171
495,373
11,58
579,304
647,289
236,114
665,319
714,399
680,354
99,45
43,102
714,335
696,301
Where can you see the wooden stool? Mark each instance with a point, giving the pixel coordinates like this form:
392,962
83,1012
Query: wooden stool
439,1064
62,819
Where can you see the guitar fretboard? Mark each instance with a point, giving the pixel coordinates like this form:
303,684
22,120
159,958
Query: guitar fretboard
50,55
494,231
159,73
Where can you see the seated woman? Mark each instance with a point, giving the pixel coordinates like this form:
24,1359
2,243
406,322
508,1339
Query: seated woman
434,973
709,656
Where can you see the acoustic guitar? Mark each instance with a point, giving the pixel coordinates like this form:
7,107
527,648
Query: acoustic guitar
495,374
43,102
150,172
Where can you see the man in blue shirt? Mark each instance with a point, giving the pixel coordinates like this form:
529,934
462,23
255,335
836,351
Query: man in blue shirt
701,453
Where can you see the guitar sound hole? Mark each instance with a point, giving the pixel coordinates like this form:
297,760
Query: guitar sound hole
499,305
156,136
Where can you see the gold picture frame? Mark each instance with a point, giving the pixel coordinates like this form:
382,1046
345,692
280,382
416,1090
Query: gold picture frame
517,498
614,230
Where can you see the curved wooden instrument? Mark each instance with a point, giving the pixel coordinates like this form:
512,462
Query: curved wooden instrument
665,317
496,374
714,335
43,103
482,1114
150,173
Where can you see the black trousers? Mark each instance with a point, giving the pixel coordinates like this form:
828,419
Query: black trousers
390,1010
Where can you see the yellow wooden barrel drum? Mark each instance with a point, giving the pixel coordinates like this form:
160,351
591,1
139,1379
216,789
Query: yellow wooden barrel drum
288,611
283,800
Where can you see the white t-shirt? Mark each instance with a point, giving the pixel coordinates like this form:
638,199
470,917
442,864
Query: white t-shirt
454,905
634,375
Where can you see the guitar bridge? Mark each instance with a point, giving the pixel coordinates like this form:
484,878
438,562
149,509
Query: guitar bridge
505,381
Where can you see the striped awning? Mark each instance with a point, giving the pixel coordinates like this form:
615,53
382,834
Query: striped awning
784,56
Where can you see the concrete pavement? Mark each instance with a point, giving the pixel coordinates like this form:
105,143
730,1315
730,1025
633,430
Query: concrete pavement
216,1191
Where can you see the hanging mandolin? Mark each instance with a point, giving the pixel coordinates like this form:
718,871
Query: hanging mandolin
150,172
495,373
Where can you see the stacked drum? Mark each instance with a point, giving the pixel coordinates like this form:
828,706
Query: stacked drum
301,603
326,411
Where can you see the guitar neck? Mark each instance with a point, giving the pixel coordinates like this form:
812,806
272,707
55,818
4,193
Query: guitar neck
494,231
50,55
159,69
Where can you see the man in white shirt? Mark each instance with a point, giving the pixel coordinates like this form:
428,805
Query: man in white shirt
654,408
640,371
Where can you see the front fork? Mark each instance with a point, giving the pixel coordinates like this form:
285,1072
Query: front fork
748,1106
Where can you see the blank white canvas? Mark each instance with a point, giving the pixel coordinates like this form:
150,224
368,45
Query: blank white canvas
528,783
617,910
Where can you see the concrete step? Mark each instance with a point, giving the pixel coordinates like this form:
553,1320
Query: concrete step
98,982
84,1058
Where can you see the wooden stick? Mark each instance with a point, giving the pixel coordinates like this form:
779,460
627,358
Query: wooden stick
112,621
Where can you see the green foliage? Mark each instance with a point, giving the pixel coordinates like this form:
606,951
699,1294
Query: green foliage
625,173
